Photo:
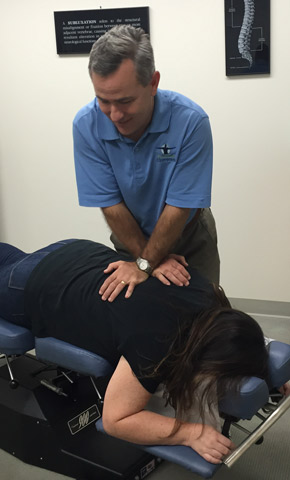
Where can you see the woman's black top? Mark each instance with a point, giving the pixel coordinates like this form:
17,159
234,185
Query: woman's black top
62,301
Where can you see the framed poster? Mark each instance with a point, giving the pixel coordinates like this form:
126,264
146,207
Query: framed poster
247,35
77,30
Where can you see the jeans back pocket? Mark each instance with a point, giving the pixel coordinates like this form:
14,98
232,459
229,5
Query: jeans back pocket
22,270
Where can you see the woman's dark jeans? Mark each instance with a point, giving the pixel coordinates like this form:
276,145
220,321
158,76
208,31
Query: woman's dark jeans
15,269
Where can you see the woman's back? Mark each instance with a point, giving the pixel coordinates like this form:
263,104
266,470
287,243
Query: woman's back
62,301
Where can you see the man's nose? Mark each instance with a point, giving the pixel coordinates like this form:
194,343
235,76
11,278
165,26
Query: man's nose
116,114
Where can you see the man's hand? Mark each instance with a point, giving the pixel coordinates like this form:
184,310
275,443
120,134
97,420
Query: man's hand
123,274
172,270
209,443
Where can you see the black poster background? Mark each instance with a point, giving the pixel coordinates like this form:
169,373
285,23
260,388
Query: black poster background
247,32
77,30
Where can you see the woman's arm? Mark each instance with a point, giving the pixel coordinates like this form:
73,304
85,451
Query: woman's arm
124,417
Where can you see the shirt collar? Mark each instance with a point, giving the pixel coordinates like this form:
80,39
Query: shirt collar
106,128
162,113
159,123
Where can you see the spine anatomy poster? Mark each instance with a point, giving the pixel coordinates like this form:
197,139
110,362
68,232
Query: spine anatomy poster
247,31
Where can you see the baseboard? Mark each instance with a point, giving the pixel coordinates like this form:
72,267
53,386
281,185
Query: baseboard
263,307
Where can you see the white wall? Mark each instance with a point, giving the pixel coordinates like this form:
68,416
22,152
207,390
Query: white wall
40,92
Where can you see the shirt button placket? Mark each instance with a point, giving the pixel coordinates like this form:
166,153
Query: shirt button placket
137,163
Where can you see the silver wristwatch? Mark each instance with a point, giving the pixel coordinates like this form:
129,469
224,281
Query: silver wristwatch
144,265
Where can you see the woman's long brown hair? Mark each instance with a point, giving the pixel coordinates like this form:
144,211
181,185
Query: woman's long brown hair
211,354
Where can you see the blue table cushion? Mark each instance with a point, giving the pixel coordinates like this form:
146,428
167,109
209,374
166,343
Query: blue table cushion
69,356
14,340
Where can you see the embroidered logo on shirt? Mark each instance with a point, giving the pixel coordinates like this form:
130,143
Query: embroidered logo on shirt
166,153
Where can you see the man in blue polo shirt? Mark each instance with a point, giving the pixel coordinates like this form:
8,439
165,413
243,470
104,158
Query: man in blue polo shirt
144,155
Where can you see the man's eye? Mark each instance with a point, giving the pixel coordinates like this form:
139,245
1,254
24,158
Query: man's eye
101,100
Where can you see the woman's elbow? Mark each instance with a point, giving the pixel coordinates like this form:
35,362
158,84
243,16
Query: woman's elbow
110,424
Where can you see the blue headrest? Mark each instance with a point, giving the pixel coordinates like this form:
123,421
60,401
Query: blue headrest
279,363
252,395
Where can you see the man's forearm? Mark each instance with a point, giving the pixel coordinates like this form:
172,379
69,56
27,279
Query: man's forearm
125,227
165,234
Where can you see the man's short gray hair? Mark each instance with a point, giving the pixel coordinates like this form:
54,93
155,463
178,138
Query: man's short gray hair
120,43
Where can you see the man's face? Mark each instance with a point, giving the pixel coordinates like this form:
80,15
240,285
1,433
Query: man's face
125,101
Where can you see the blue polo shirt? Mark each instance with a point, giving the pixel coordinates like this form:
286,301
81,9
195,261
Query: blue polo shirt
170,164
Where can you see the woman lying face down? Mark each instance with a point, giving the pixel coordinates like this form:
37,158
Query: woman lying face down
220,348
187,338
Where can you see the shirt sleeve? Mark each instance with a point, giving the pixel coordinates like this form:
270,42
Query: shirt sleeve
143,353
190,185
96,183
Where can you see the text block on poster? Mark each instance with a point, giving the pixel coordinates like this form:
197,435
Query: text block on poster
77,30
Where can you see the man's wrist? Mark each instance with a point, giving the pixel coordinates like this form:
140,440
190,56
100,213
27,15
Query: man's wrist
144,265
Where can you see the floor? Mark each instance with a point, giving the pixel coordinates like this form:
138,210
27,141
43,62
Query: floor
269,461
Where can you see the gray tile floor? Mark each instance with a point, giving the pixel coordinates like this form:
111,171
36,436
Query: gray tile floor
269,461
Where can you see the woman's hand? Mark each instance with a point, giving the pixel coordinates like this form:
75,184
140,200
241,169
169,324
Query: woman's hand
209,443
285,389
123,274
172,270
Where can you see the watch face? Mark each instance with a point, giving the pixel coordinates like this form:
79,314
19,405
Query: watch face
143,264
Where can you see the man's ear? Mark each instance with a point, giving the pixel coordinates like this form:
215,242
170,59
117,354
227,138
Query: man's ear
155,82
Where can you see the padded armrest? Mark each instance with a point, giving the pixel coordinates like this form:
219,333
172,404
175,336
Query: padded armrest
183,456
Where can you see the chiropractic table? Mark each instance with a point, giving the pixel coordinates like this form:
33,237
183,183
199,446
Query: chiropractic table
51,406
